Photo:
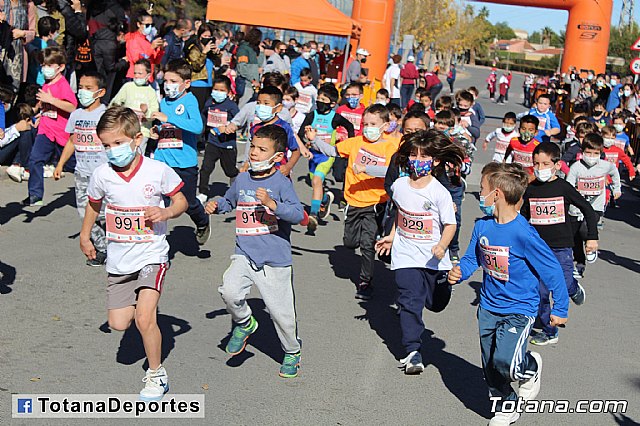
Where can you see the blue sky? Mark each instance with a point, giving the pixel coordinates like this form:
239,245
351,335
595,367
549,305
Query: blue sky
534,18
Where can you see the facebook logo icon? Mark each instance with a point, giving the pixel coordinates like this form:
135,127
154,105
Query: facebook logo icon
24,406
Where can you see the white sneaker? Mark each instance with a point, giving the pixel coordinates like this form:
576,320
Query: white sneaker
504,419
413,363
48,171
202,198
529,388
15,172
156,385
25,175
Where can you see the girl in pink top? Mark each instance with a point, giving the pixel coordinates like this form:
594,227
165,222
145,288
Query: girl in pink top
56,101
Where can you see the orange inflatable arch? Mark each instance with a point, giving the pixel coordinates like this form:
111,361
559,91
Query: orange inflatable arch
586,40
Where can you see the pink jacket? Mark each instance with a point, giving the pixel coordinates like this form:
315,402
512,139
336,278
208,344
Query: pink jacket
139,47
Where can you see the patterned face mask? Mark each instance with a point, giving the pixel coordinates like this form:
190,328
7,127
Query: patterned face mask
420,168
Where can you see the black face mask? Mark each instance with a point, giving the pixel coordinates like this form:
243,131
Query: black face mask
597,113
323,107
205,41
282,54
363,60
463,109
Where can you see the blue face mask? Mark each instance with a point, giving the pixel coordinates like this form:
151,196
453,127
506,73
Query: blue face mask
223,43
218,95
264,112
420,168
353,102
487,210
121,155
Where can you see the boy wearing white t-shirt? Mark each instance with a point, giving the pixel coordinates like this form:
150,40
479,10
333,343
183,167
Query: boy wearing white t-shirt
307,92
503,136
132,187
89,153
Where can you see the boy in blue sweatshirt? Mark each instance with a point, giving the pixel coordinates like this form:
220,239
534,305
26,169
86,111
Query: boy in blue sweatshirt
177,138
514,258
266,207
218,111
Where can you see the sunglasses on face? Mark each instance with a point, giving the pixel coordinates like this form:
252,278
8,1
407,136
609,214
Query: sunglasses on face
148,25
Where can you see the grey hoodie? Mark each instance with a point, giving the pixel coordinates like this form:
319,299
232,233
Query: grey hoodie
591,182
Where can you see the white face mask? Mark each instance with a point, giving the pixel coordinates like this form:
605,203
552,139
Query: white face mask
261,166
627,93
608,142
172,90
543,175
590,161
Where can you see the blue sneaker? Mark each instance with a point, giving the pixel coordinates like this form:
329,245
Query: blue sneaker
290,365
240,335
156,384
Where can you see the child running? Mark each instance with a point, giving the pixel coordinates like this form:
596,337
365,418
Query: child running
521,147
89,152
140,97
217,113
322,124
133,187
58,101
425,225
614,153
513,258
546,206
589,176
364,188
503,136
266,207
177,145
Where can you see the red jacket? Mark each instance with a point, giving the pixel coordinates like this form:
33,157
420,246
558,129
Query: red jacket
432,79
138,47
614,155
409,73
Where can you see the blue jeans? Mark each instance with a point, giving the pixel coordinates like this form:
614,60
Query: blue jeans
415,289
195,210
18,151
503,342
42,152
565,258
406,93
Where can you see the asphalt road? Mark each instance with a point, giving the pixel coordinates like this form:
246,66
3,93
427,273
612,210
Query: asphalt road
53,338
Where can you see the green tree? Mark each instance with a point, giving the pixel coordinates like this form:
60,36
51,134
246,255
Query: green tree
503,31
548,36
620,42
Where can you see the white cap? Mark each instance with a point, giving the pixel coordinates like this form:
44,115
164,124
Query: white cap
411,58
362,51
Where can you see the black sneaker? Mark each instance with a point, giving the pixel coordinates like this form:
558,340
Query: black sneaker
101,259
325,206
203,234
32,201
364,291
